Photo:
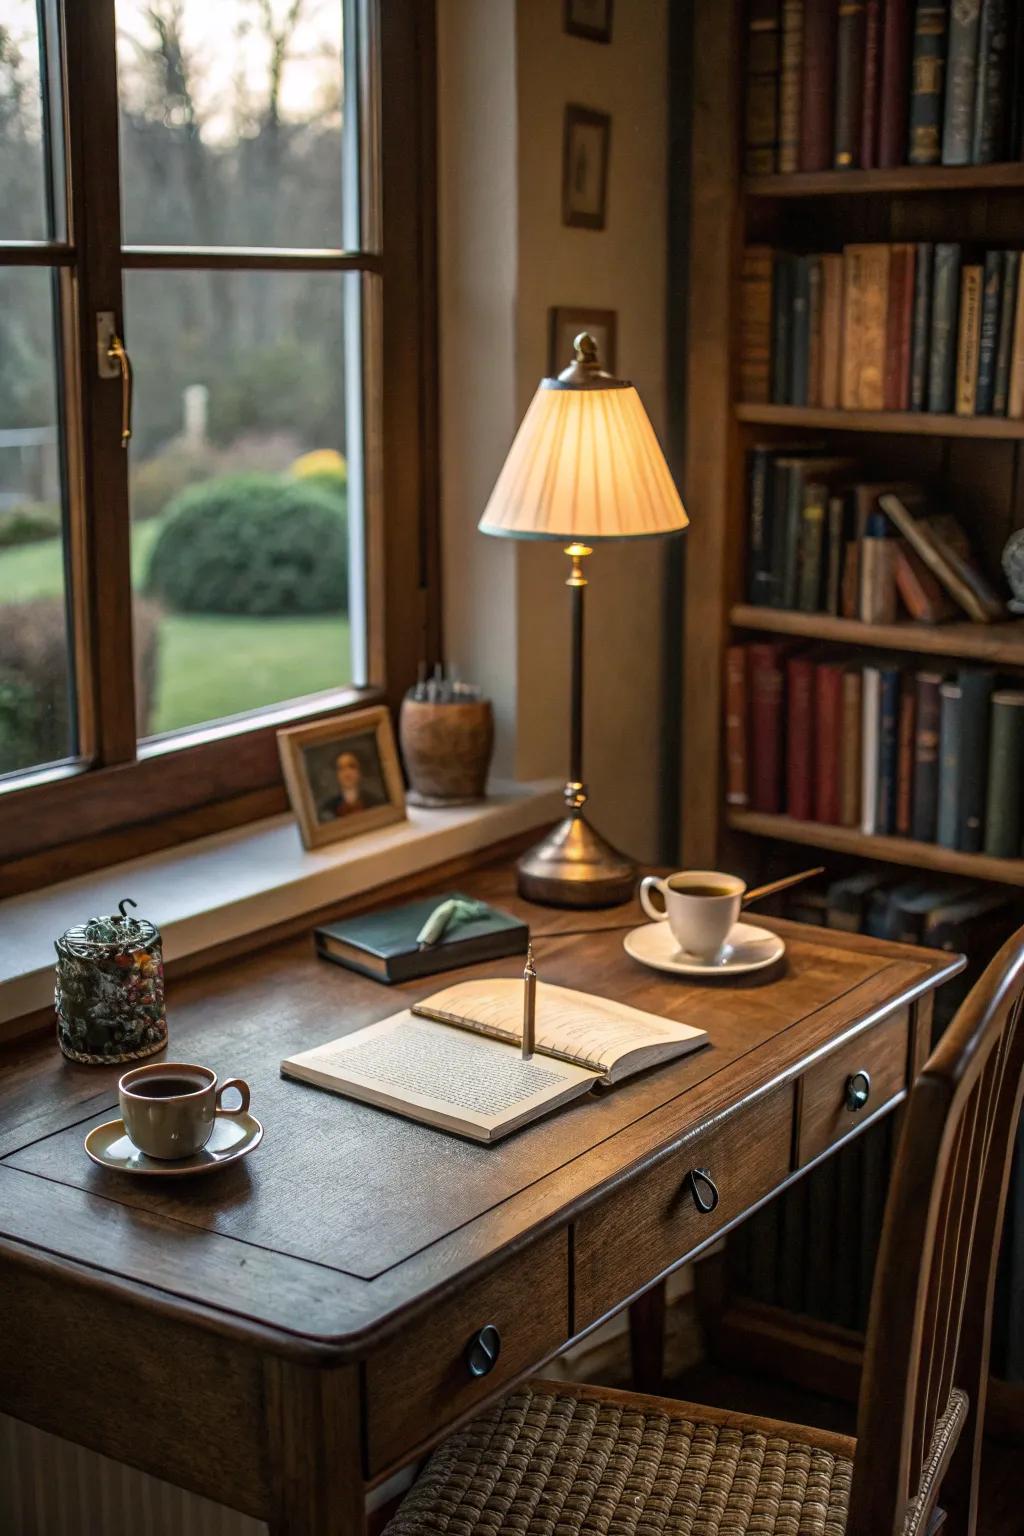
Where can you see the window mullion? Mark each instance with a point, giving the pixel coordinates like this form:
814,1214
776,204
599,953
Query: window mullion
98,493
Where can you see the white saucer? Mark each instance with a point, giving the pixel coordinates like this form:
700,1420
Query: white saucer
233,1136
747,949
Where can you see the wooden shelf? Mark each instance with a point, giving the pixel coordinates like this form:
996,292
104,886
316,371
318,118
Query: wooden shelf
912,423
890,850
998,644
901,178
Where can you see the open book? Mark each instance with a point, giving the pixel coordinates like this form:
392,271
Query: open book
454,1060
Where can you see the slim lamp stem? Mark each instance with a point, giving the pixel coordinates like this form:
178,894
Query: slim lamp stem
576,728
575,792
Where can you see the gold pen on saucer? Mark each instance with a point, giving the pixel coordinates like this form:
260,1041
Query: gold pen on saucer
529,1004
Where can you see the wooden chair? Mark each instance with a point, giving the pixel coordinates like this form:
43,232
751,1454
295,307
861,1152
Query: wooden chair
553,1455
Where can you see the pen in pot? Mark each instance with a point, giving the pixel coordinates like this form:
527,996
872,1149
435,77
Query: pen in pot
529,1004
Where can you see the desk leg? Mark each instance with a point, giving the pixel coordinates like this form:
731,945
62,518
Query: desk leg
313,1450
647,1339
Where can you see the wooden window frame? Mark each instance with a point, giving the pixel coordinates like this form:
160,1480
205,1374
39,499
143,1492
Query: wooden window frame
119,798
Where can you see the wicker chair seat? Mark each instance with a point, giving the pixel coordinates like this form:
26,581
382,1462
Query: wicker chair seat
549,1462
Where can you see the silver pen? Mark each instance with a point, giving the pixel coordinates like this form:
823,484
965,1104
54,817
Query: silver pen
529,1004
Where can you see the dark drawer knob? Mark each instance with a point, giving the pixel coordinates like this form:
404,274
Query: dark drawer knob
703,1189
483,1350
858,1090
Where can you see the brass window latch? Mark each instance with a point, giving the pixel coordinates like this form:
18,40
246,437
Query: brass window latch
113,362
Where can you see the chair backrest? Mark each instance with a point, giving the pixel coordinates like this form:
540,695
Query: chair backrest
922,1401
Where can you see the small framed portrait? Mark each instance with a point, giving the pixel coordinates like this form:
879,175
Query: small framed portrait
585,151
565,322
591,19
342,775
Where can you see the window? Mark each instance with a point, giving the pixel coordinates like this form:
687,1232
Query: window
216,233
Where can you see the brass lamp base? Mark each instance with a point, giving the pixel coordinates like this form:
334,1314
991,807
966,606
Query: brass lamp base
574,866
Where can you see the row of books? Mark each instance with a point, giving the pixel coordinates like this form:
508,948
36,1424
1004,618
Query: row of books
821,540
848,84
905,327
939,911
871,744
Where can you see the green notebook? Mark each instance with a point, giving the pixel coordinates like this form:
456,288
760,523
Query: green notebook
383,944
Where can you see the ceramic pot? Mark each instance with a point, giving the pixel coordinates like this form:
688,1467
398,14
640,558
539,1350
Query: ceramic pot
447,750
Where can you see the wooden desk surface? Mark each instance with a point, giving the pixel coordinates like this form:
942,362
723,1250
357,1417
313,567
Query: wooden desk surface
347,1220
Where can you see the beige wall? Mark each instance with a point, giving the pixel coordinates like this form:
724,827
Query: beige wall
507,257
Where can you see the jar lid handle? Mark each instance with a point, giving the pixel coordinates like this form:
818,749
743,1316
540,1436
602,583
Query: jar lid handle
127,902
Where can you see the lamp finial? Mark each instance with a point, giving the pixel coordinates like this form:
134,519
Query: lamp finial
585,348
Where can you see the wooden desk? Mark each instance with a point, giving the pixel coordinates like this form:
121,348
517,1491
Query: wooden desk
285,1334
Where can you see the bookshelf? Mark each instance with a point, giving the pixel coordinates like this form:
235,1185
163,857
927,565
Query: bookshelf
895,423
999,645
890,850
913,179
979,458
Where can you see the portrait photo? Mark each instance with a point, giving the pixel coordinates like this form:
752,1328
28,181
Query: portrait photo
585,151
566,321
591,19
342,775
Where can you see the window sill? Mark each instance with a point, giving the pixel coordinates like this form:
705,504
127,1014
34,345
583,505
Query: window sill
223,887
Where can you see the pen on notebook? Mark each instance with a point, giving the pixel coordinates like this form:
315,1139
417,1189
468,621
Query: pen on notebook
529,1004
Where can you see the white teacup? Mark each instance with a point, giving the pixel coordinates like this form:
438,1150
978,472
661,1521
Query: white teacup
701,906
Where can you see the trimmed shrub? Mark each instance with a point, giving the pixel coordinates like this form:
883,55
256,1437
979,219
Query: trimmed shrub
35,693
157,480
253,544
30,524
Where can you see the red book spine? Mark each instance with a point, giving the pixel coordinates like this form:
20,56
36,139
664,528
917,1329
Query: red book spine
829,733
800,738
872,74
817,86
736,792
894,91
905,758
898,327
765,737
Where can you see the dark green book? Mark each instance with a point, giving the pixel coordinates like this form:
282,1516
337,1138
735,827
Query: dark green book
947,820
760,499
945,312
383,944
1004,342
961,82
783,281
992,96
976,685
927,82
811,553
792,476
835,548
1005,771
800,331
921,324
991,308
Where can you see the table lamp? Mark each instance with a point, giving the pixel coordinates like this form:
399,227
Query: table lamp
585,466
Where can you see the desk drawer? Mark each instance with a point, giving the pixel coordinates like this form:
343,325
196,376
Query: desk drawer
420,1381
829,1103
654,1221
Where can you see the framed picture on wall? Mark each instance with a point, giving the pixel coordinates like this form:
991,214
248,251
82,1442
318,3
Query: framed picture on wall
586,146
591,19
565,323
342,775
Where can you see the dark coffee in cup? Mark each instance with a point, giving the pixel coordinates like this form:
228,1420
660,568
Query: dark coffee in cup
167,1087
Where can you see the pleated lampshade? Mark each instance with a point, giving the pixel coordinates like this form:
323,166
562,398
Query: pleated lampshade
585,464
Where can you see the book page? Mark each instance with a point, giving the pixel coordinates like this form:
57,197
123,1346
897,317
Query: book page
593,1032
454,1079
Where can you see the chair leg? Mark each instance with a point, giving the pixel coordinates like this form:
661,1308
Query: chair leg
647,1339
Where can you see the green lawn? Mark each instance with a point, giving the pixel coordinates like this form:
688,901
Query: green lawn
207,666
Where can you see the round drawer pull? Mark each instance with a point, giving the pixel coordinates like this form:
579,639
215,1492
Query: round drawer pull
858,1090
483,1350
703,1189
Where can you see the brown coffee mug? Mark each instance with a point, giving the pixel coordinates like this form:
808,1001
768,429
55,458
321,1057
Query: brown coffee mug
169,1107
